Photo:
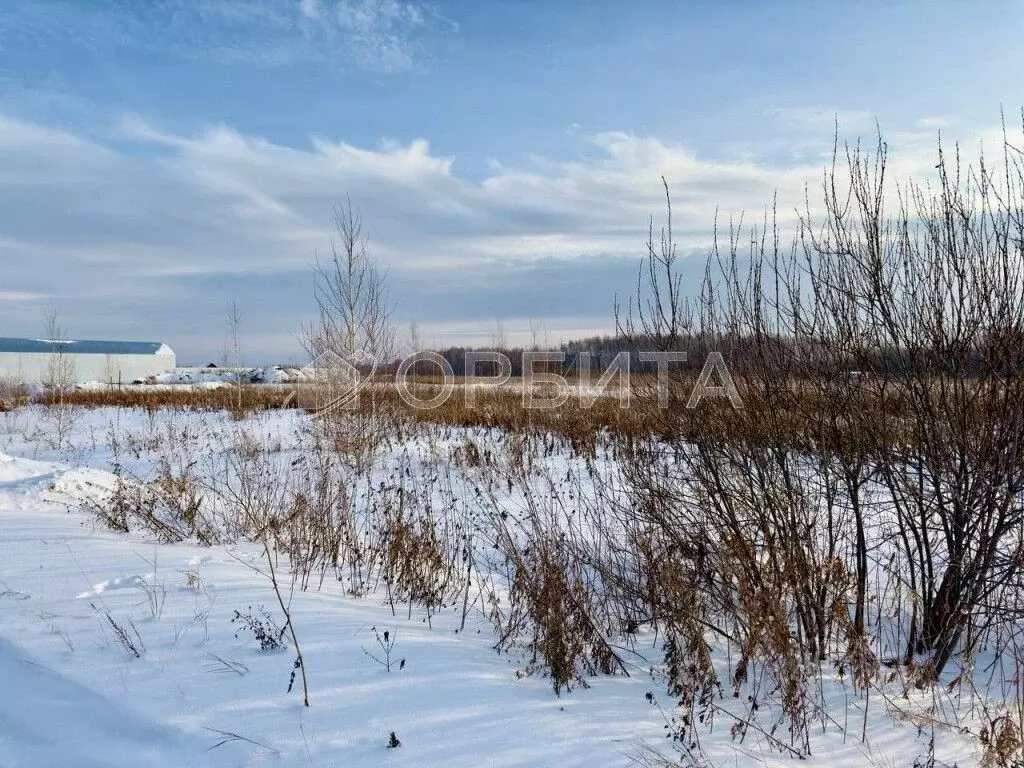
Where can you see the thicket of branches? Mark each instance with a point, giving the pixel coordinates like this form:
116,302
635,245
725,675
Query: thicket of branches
865,505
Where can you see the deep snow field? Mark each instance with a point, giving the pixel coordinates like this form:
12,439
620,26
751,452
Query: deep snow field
73,696
194,694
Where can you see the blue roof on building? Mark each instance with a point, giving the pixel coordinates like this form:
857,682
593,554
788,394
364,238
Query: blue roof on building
46,346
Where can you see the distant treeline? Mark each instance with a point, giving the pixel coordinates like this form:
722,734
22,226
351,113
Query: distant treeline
786,356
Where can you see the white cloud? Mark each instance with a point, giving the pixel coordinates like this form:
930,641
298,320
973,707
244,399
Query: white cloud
379,31
204,217
381,36
245,189
818,118
20,296
934,123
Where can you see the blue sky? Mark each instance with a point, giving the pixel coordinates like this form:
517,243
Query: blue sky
161,159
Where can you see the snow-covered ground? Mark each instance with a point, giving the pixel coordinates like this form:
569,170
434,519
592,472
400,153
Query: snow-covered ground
73,695
209,378
118,651
185,378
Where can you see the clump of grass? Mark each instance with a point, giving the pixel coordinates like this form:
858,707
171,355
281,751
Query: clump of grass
126,634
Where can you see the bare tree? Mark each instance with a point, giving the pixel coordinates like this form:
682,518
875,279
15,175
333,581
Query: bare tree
353,304
415,339
538,335
235,334
660,309
414,345
60,367
498,338
352,336
59,376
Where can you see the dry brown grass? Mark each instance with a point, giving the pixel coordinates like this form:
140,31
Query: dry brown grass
798,409
253,398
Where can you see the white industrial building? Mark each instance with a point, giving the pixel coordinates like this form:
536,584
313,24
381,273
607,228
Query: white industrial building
64,363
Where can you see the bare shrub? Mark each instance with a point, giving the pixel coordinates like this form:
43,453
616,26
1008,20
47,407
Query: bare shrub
415,564
262,627
169,506
555,596
878,360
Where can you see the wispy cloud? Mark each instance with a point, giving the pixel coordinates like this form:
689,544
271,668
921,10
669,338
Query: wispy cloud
818,118
380,31
13,296
381,36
